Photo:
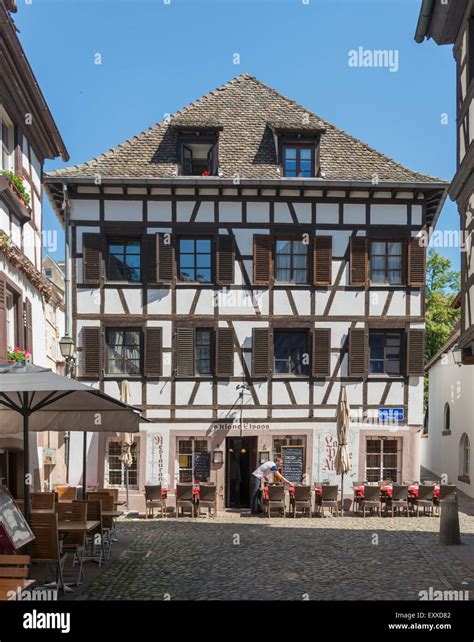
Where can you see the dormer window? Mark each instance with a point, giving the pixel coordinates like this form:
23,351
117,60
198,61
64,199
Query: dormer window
198,154
298,160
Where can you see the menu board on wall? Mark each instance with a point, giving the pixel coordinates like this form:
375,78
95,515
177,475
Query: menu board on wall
202,466
15,528
293,463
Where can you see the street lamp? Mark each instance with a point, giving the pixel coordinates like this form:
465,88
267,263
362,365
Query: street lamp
67,347
457,355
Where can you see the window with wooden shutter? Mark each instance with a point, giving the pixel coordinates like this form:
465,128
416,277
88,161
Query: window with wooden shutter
165,257
358,261
28,323
91,352
225,352
260,352
415,353
149,259
3,321
225,260
416,263
91,257
262,252
153,352
185,352
322,352
357,352
322,260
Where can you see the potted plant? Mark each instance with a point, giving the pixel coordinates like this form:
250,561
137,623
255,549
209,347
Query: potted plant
17,354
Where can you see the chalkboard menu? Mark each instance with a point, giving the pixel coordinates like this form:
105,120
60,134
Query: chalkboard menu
14,529
202,466
293,463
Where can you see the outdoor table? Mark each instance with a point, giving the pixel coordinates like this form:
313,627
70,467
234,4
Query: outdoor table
13,584
77,527
42,511
112,513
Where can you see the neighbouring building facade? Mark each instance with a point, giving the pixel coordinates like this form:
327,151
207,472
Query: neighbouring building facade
452,23
28,135
234,266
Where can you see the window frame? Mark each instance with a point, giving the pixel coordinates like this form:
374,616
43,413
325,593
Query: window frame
465,457
212,255
212,351
386,282
121,240
184,140
122,328
385,332
6,121
381,467
446,419
192,454
299,145
135,449
292,239
289,332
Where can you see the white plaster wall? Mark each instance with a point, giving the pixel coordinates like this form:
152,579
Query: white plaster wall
159,211
123,211
230,212
87,210
88,301
327,213
388,215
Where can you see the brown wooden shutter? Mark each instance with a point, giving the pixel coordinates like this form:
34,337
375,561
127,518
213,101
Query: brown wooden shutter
359,261
225,352
153,352
415,353
262,253
322,352
323,260
164,253
91,352
225,260
357,352
185,352
91,257
149,259
3,321
260,352
28,323
416,263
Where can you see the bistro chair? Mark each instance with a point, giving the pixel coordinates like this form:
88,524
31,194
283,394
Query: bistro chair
301,500
371,500
399,498
328,499
95,537
75,543
154,499
45,547
66,493
357,496
42,501
184,498
425,499
107,506
111,491
14,566
428,482
207,499
276,498
64,511
446,491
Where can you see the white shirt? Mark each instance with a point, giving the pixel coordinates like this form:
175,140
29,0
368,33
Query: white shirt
265,469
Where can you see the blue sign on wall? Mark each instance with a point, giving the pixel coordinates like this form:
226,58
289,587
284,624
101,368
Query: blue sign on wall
391,414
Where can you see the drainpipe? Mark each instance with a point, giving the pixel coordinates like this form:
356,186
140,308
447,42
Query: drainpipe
67,264
424,20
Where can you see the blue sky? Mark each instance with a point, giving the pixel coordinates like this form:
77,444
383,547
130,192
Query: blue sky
159,56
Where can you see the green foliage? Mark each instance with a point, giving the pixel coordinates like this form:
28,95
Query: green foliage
18,183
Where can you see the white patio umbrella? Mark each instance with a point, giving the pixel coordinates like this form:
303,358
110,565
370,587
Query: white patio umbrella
343,464
36,399
126,438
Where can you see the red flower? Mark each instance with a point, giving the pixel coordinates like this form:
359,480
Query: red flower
205,174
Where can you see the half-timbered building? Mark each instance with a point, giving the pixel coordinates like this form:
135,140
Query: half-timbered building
235,265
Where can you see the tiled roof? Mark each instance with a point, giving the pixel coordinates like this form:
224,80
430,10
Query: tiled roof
246,109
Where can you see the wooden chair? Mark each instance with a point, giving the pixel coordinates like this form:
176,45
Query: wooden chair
154,499
425,499
357,498
276,499
111,491
329,499
75,543
15,566
66,493
207,499
42,501
107,502
64,511
399,498
301,500
184,498
45,547
371,500
95,537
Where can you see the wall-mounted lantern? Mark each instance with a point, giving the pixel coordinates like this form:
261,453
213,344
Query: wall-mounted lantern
217,457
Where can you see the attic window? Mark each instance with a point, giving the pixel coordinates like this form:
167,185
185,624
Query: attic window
198,155
298,159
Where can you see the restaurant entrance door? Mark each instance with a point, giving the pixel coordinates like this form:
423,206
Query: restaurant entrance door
241,461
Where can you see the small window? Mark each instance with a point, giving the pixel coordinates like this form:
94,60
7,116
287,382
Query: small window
386,262
187,451
203,346
123,352
48,272
298,160
199,158
291,261
195,260
124,257
385,352
7,142
464,456
116,467
13,321
447,418
291,353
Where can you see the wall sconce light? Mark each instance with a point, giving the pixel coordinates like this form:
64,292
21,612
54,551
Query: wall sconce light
263,456
217,457
457,356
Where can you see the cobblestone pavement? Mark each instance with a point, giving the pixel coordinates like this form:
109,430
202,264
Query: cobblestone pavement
235,557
